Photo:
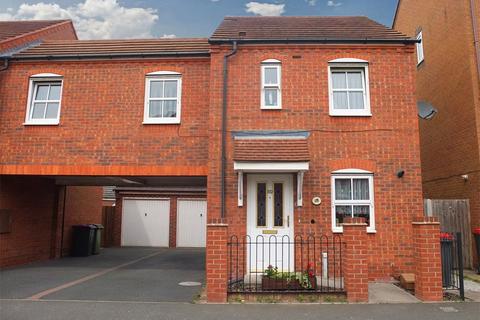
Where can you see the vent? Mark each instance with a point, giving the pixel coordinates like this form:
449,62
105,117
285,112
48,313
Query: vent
109,193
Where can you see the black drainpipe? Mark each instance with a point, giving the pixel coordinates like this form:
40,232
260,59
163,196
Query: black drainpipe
224,124
63,219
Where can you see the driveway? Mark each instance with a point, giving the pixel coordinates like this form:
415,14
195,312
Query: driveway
117,274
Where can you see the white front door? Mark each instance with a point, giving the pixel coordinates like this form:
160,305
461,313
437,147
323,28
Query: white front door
191,222
270,222
145,222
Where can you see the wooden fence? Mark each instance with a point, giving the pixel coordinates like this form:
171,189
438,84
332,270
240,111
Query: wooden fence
454,216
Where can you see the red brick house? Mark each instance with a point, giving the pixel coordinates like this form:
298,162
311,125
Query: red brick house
292,127
32,203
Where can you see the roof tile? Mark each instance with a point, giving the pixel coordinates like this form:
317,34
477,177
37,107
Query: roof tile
12,29
296,28
271,150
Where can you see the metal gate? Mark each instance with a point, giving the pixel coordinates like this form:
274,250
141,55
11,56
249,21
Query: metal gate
452,262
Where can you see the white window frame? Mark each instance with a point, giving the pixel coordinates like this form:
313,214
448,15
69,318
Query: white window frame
162,75
350,65
32,87
353,174
419,47
271,63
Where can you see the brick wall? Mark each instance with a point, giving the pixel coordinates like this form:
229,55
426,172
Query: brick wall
448,79
31,201
83,205
383,143
102,109
61,31
37,217
428,267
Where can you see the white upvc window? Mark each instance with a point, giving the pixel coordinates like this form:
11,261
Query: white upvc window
44,99
348,89
352,196
419,46
271,84
163,92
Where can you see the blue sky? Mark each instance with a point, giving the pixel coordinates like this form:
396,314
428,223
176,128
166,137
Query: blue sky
181,18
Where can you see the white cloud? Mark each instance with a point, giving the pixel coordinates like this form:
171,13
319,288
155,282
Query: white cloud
93,19
334,4
311,2
265,9
168,36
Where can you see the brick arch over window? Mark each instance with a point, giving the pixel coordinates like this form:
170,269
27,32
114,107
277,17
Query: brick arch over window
363,164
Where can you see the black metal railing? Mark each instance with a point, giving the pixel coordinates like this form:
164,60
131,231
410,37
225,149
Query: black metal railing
452,262
280,264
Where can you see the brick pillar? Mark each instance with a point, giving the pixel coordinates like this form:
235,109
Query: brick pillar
217,261
355,263
428,265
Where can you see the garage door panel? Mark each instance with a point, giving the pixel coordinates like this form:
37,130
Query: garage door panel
145,222
191,223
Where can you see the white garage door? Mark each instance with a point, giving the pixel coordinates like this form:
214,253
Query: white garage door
145,222
191,223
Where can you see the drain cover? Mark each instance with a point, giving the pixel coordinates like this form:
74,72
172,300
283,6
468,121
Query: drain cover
189,284
448,309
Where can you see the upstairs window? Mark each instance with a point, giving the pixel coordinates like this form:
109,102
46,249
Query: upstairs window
348,89
352,196
163,98
44,100
271,84
419,46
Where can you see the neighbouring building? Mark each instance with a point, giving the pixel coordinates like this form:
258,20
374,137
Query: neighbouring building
448,76
31,227
297,136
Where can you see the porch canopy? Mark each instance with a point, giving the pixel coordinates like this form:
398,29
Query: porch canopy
271,151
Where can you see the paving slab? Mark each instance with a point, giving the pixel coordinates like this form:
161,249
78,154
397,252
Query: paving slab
385,292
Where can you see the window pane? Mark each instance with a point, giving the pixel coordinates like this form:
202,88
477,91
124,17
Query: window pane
52,110
278,204
342,212
38,110
54,92
340,100
355,80
170,108
362,212
155,110
156,89
339,80
261,202
42,92
360,189
356,100
343,189
271,76
271,97
171,89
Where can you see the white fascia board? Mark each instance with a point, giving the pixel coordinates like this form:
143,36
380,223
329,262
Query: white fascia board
271,166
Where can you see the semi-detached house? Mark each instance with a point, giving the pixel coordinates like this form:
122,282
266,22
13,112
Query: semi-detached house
272,135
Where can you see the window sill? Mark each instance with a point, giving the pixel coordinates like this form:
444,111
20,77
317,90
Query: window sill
372,231
270,108
351,115
160,122
41,123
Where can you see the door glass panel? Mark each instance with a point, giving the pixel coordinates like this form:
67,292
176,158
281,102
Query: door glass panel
261,204
278,204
